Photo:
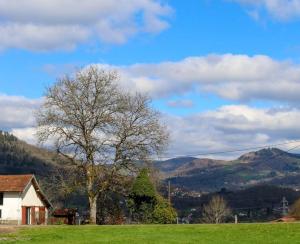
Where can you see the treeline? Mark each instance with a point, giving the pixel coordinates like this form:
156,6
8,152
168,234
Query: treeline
257,203
16,159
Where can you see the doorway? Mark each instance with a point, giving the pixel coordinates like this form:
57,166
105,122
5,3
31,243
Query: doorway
28,215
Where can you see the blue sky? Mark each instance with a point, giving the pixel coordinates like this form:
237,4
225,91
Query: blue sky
196,28
236,61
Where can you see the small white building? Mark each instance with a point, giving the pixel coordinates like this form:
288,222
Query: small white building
22,201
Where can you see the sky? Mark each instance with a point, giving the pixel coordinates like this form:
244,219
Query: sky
225,74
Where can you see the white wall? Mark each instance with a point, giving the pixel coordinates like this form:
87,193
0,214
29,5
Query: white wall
11,208
30,198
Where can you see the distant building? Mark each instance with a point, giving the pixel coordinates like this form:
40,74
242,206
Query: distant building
22,201
286,219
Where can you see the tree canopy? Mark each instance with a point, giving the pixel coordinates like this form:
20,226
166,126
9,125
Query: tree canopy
102,129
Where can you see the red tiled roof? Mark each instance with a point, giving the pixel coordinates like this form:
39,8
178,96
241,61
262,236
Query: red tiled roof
14,183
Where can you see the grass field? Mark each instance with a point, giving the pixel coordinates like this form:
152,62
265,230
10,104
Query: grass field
226,233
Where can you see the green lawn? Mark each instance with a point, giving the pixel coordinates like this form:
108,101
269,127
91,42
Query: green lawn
226,233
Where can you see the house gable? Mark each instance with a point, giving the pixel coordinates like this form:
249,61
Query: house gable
30,197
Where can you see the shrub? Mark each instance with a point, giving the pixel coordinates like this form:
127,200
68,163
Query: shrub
163,213
295,210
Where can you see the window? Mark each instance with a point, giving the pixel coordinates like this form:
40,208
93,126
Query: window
0,213
1,198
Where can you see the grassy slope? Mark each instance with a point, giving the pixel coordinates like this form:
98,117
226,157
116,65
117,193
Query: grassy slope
227,233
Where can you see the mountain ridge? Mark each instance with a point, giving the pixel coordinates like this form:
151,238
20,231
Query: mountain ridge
262,166
270,165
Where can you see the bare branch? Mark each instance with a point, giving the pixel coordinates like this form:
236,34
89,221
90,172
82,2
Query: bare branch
98,127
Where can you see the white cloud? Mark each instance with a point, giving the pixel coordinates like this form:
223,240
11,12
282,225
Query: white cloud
232,127
233,77
279,9
17,112
184,103
41,37
26,134
242,118
63,24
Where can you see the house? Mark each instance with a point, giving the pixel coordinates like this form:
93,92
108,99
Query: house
22,201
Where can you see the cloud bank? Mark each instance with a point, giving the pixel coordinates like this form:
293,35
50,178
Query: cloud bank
226,128
282,10
45,25
232,127
180,103
17,112
233,77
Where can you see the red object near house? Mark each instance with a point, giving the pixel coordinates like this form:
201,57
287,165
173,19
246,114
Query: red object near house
23,215
65,216
42,216
287,219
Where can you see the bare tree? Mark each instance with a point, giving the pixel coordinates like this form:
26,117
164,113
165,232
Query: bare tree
99,128
215,211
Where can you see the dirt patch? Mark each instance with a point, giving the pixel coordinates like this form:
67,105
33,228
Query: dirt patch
7,229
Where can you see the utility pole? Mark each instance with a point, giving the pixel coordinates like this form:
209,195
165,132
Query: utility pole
169,191
285,207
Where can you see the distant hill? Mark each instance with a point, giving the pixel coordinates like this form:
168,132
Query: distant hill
18,157
271,165
172,164
182,165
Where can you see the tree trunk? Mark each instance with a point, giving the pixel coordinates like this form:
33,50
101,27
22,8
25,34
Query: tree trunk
92,195
93,209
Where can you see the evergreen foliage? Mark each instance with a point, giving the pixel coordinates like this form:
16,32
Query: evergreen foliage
143,187
146,205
